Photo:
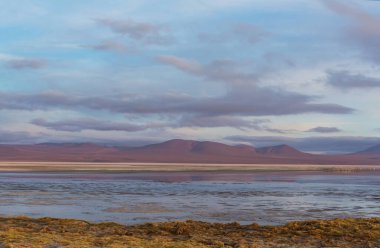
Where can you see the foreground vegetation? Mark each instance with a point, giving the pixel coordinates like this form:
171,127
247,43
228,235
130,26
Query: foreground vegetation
51,233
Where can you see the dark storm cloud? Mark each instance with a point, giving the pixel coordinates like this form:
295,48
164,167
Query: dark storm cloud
324,130
346,80
345,144
139,31
364,31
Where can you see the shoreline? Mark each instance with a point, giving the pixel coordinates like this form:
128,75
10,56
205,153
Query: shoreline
51,232
172,167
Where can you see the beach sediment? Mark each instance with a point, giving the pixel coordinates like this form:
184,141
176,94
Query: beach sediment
50,232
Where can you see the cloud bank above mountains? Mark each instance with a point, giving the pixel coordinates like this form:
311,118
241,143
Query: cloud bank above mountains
130,72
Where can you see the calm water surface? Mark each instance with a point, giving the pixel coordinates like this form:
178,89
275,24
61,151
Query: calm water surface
261,197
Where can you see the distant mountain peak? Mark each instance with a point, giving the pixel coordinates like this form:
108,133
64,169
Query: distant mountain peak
222,149
180,151
374,150
176,144
283,149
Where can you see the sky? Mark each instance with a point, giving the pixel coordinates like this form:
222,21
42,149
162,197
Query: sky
260,72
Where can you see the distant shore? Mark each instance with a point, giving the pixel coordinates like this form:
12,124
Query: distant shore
162,167
49,232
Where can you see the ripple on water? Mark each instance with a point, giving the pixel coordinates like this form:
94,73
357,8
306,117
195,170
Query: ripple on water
266,198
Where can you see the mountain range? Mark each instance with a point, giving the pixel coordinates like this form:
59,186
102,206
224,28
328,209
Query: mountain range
180,151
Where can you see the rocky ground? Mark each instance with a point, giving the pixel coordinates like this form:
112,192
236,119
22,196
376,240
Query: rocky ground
51,233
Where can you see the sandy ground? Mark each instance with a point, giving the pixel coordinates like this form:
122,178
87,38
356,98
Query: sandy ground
134,167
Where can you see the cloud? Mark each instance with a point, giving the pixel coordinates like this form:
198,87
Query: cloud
17,137
219,121
365,30
227,121
346,80
78,125
26,64
110,46
30,101
226,71
339,144
245,102
147,33
249,33
183,64
81,124
20,63
242,32
242,97
324,130
22,137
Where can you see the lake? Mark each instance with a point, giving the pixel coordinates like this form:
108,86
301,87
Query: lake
130,198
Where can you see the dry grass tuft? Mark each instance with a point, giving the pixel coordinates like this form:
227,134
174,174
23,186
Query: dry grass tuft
53,233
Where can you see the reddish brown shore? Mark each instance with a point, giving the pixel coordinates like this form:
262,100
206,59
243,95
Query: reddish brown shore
48,232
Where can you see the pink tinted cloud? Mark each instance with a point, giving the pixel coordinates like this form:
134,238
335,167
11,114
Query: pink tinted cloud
365,29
